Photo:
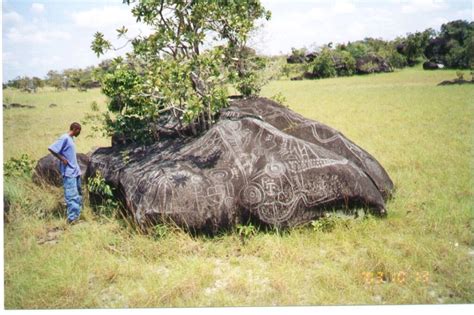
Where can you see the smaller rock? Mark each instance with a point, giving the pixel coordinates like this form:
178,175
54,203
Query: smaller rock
51,237
295,59
455,81
47,169
429,65
310,75
298,78
17,105
311,56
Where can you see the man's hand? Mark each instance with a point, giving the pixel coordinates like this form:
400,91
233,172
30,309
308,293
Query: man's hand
59,156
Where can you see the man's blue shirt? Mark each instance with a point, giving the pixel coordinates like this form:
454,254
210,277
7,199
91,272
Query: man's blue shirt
66,147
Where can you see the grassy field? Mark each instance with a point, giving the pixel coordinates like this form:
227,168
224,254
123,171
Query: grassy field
421,253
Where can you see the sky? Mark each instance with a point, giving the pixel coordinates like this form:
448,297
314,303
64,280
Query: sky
43,35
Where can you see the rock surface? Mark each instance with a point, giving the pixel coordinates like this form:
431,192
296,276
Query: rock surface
455,81
317,133
259,161
372,64
429,65
47,169
295,59
17,105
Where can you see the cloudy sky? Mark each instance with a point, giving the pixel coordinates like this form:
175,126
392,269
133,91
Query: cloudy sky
43,35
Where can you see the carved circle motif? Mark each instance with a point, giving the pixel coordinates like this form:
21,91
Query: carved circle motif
195,179
220,175
252,195
229,202
275,169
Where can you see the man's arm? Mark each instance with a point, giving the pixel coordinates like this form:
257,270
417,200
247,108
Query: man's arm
59,156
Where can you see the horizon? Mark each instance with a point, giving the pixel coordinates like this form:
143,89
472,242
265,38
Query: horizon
39,36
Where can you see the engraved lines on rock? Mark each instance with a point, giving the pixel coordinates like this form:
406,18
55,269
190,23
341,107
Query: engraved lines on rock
297,121
215,189
276,191
212,190
356,152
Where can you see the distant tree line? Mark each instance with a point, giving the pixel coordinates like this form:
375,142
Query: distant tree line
451,47
81,79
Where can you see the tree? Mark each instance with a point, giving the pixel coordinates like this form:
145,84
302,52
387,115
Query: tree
324,65
333,62
55,79
357,49
458,30
25,83
37,82
414,45
297,55
72,77
453,45
173,74
345,64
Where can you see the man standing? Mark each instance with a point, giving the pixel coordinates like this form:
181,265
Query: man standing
65,150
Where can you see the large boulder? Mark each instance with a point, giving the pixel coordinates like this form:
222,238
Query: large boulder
260,161
292,59
316,133
372,63
47,169
429,65
309,57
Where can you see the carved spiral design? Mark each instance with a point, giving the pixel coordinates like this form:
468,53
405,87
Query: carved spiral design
252,195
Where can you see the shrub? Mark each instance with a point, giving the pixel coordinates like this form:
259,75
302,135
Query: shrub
324,224
279,98
107,205
369,67
22,166
246,231
323,65
329,222
396,59
458,56
357,49
345,63
160,231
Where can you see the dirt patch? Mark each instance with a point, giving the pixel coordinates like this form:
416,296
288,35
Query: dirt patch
51,237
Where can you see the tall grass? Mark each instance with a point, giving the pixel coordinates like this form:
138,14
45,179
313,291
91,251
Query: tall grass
421,253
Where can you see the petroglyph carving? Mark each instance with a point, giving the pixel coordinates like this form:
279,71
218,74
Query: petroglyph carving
260,160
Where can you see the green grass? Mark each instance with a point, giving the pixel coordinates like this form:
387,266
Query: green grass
421,133
31,131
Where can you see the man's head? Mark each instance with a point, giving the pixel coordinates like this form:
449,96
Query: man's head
75,129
